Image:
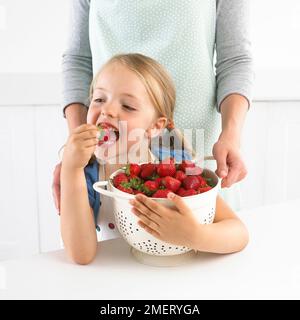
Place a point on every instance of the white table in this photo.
(268, 268)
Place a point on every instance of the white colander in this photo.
(203, 205)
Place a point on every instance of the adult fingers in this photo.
(237, 172)
(220, 154)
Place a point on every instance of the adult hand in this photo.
(56, 187)
(226, 151)
(230, 165)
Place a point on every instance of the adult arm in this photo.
(77, 65)
(234, 74)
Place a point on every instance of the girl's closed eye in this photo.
(124, 106)
(128, 108)
(99, 100)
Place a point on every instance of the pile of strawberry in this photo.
(157, 180)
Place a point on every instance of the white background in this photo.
(32, 39)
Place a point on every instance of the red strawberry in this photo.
(171, 183)
(119, 178)
(146, 165)
(147, 170)
(181, 192)
(191, 182)
(125, 189)
(202, 181)
(150, 186)
(186, 164)
(161, 193)
(137, 192)
(190, 192)
(180, 175)
(158, 181)
(185, 193)
(164, 169)
(204, 189)
(132, 169)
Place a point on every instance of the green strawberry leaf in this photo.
(127, 169)
(125, 184)
(136, 183)
(154, 176)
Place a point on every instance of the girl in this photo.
(135, 90)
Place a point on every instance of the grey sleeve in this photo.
(77, 69)
(234, 66)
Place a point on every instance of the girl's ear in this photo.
(157, 127)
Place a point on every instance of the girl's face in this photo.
(121, 101)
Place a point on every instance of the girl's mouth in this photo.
(108, 134)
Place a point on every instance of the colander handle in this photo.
(98, 186)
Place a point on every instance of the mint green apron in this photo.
(178, 34)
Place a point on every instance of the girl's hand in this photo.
(178, 227)
(80, 146)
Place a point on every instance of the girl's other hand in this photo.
(80, 146)
(177, 226)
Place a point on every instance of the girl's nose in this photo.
(110, 109)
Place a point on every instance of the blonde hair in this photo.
(158, 84)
